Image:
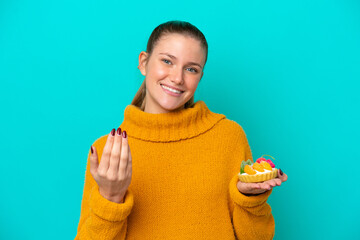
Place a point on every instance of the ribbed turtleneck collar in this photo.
(172, 126)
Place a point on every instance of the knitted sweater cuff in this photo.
(108, 210)
(243, 200)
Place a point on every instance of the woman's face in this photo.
(177, 61)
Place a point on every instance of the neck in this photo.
(171, 126)
(159, 109)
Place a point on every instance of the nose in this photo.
(177, 76)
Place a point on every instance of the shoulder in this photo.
(231, 131)
(232, 126)
(225, 123)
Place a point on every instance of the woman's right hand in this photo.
(113, 173)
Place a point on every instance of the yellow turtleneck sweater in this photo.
(183, 186)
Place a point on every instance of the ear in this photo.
(143, 57)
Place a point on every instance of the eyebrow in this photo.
(171, 56)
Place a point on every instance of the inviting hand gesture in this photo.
(258, 188)
(113, 173)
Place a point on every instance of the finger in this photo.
(272, 183)
(105, 158)
(124, 156)
(282, 176)
(247, 187)
(277, 181)
(250, 188)
(265, 186)
(129, 164)
(115, 154)
(94, 162)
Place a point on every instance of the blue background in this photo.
(287, 71)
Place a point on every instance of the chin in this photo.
(172, 106)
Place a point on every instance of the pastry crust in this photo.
(258, 177)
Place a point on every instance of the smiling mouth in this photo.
(171, 90)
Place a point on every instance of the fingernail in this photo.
(118, 131)
(281, 173)
(113, 132)
(124, 134)
(91, 150)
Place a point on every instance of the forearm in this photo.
(97, 228)
(251, 217)
(103, 219)
(248, 225)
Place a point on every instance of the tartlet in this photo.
(260, 171)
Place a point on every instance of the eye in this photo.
(165, 60)
(193, 70)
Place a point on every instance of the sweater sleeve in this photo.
(100, 218)
(251, 215)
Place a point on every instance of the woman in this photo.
(170, 170)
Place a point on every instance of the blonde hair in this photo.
(181, 27)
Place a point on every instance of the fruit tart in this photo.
(260, 171)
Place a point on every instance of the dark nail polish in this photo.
(113, 132)
(281, 172)
(118, 131)
(124, 134)
(91, 150)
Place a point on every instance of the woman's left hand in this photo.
(258, 188)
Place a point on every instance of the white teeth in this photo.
(170, 89)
